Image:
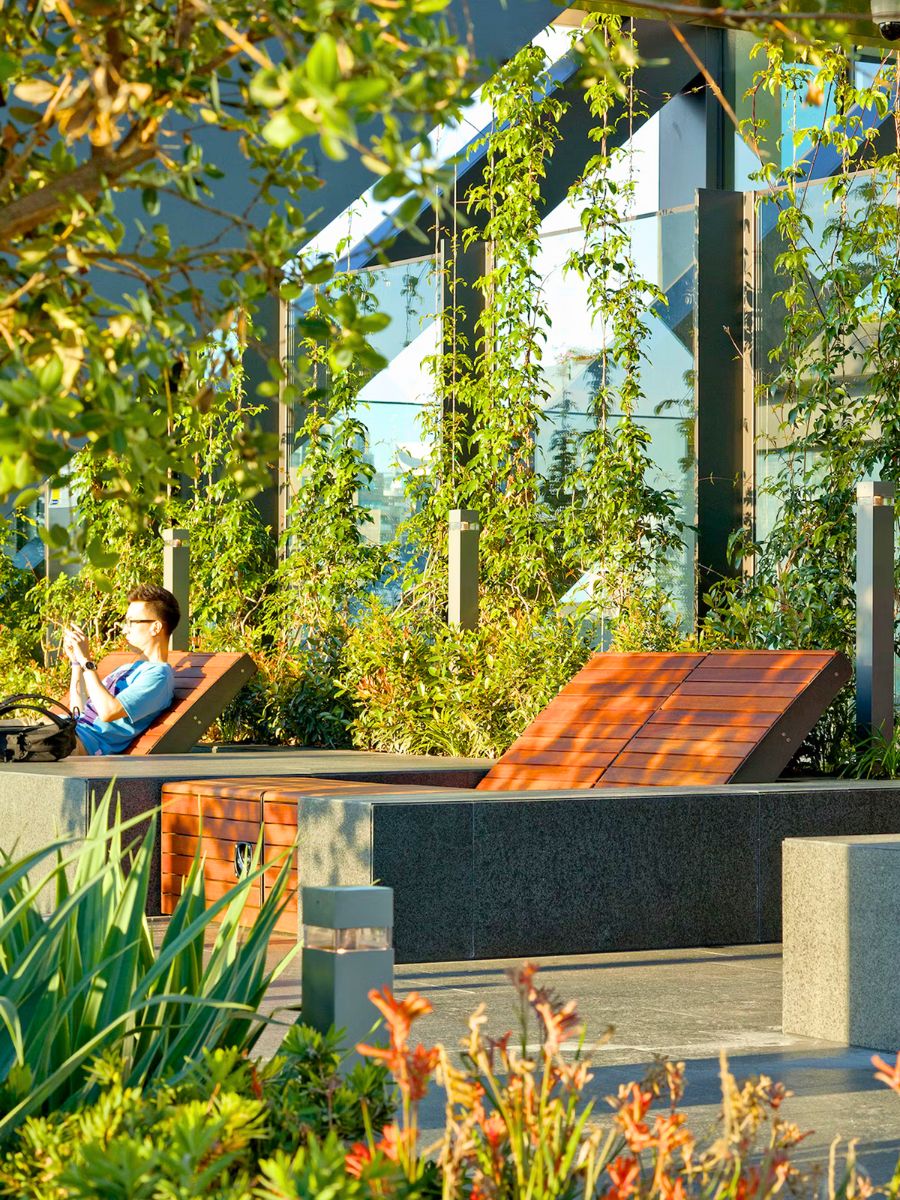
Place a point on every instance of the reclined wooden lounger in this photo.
(205, 684)
(639, 720)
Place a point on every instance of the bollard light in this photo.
(347, 951)
(462, 568)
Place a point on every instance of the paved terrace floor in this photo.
(688, 1005)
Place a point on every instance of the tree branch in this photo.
(30, 211)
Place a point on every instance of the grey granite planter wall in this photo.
(491, 874)
(501, 875)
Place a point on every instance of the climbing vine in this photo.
(619, 528)
(828, 387)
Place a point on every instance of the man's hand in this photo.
(76, 645)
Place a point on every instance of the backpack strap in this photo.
(34, 702)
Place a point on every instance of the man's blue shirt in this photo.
(144, 689)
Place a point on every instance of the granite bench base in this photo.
(842, 939)
(496, 875)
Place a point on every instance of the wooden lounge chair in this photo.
(629, 720)
(204, 685)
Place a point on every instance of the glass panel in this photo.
(389, 402)
(339, 941)
(774, 435)
(663, 247)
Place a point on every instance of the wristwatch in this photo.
(87, 665)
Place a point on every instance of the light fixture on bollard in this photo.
(347, 951)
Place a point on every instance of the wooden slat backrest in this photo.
(204, 685)
(733, 716)
(580, 732)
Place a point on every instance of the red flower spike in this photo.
(392, 1140)
(624, 1173)
(522, 977)
(494, 1129)
(420, 1066)
(886, 1073)
(671, 1189)
(400, 1014)
(357, 1158)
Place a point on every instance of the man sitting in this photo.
(119, 708)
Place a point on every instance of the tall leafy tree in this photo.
(102, 309)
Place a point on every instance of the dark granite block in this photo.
(599, 872)
(137, 797)
(423, 851)
(857, 808)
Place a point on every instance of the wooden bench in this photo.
(228, 814)
(205, 684)
(638, 720)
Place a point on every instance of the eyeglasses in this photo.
(136, 621)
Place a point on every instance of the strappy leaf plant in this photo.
(86, 979)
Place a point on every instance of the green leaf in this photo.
(322, 66)
(8, 67)
(49, 376)
(281, 131)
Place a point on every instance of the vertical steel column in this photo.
(177, 578)
(875, 607)
(718, 380)
(462, 604)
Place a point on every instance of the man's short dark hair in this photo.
(163, 603)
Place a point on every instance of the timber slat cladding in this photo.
(219, 813)
(674, 719)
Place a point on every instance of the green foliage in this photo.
(428, 688)
(878, 757)
(307, 1096)
(294, 699)
(645, 621)
(226, 1128)
(87, 979)
(617, 526)
(103, 316)
(827, 397)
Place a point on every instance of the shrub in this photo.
(518, 1124)
(420, 686)
(87, 979)
(210, 1133)
(293, 700)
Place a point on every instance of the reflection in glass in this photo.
(389, 403)
(776, 434)
(663, 248)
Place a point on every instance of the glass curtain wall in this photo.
(389, 403)
(775, 431)
(664, 250)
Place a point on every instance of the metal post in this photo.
(875, 607)
(347, 951)
(177, 578)
(462, 606)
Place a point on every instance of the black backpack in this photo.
(46, 741)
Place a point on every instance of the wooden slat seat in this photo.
(638, 720)
(204, 686)
(590, 722)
